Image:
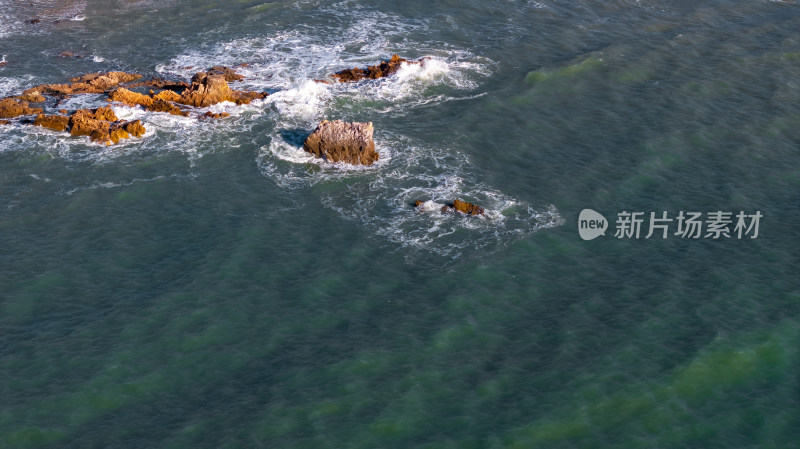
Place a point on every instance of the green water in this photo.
(205, 288)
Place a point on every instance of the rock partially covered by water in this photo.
(102, 125)
(54, 122)
(339, 141)
(130, 98)
(94, 123)
(216, 115)
(467, 208)
(12, 107)
(459, 206)
(31, 97)
(91, 83)
(211, 87)
(161, 102)
(228, 73)
(207, 90)
(385, 68)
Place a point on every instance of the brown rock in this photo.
(167, 95)
(54, 122)
(228, 73)
(105, 113)
(32, 21)
(418, 203)
(246, 96)
(210, 114)
(4, 122)
(385, 68)
(160, 105)
(130, 98)
(111, 78)
(70, 54)
(135, 128)
(207, 90)
(117, 133)
(11, 107)
(161, 83)
(31, 97)
(50, 89)
(467, 208)
(95, 123)
(340, 141)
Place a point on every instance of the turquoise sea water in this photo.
(210, 286)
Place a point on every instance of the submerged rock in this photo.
(12, 107)
(210, 114)
(458, 206)
(385, 68)
(339, 141)
(70, 54)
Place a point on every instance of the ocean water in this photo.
(212, 286)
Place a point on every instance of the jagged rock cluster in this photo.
(334, 141)
(101, 125)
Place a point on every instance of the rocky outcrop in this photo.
(339, 141)
(167, 95)
(385, 68)
(95, 123)
(161, 102)
(12, 107)
(54, 122)
(106, 80)
(31, 97)
(211, 87)
(206, 90)
(135, 128)
(123, 95)
(101, 125)
(161, 83)
(91, 83)
(169, 107)
(228, 73)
